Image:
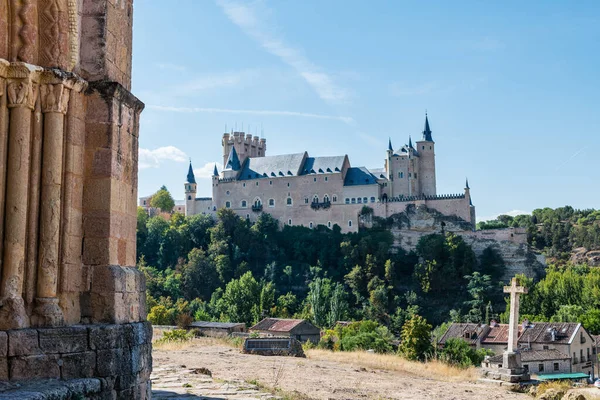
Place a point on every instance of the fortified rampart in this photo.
(72, 303)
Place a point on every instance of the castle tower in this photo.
(190, 191)
(426, 150)
(233, 164)
(471, 206)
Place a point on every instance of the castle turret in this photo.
(190, 191)
(471, 206)
(232, 165)
(426, 149)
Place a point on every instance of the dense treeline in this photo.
(555, 231)
(231, 269)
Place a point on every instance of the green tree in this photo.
(241, 299)
(163, 200)
(457, 352)
(318, 297)
(478, 287)
(199, 276)
(416, 339)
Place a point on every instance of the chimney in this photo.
(525, 324)
(493, 323)
(553, 334)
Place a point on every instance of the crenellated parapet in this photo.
(425, 197)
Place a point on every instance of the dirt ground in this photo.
(316, 377)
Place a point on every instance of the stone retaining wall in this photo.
(121, 355)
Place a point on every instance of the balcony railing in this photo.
(257, 207)
(315, 205)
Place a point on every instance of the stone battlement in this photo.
(426, 197)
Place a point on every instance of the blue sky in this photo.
(512, 89)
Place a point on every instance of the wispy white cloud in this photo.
(214, 81)
(251, 18)
(346, 120)
(568, 160)
(172, 67)
(512, 213)
(206, 171)
(153, 158)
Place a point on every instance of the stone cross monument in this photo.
(512, 369)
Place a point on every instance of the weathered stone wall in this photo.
(119, 354)
(68, 188)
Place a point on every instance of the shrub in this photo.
(457, 352)
(176, 335)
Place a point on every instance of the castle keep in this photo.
(299, 189)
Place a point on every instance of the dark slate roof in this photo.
(540, 332)
(536, 355)
(215, 171)
(323, 165)
(359, 176)
(233, 161)
(216, 325)
(279, 325)
(272, 166)
(390, 145)
(427, 130)
(190, 176)
(455, 330)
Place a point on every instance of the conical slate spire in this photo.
(410, 142)
(233, 162)
(190, 176)
(467, 184)
(427, 131)
(390, 148)
(215, 171)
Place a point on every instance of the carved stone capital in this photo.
(21, 93)
(55, 98)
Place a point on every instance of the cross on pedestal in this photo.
(513, 332)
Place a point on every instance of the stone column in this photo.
(22, 92)
(55, 98)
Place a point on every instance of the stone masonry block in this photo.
(104, 337)
(142, 333)
(107, 279)
(3, 344)
(113, 362)
(3, 369)
(73, 339)
(23, 342)
(78, 365)
(32, 367)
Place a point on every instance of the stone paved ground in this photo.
(181, 383)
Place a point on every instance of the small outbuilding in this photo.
(218, 329)
(299, 329)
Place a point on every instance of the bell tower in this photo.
(190, 191)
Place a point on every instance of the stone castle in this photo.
(298, 189)
(72, 302)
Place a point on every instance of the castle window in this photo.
(271, 203)
(325, 198)
(270, 182)
(359, 200)
(289, 222)
(256, 183)
(315, 199)
(244, 204)
(423, 147)
(289, 201)
(227, 204)
(334, 198)
(415, 175)
(228, 193)
(288, 184)
(144, 202)
(350, 224)
(372, 199)
(353, 200)
(314, 179)
(410, 174)
(248, 216)
(400, 174)
(189, 197)
(429, 147)
(244, 184)
(310, 225)
(347, 200)
(306, 200)
(329, 224)
(326, 179)
(365, 200)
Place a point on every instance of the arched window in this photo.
(244, 204)
(365, 200)
(326, 198)
(400, 174)
(359, 200)
(289, 222)
(329, 224)
(334, 198)
(227, 204)
(228, 193)
(315, 199)
(189, 197)
(354, 200)
(347, 200)
(310, 225)
(257, 202)
(271, 203)
(350, 224)
(288, 201)
(306, 200)
(372, 199)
